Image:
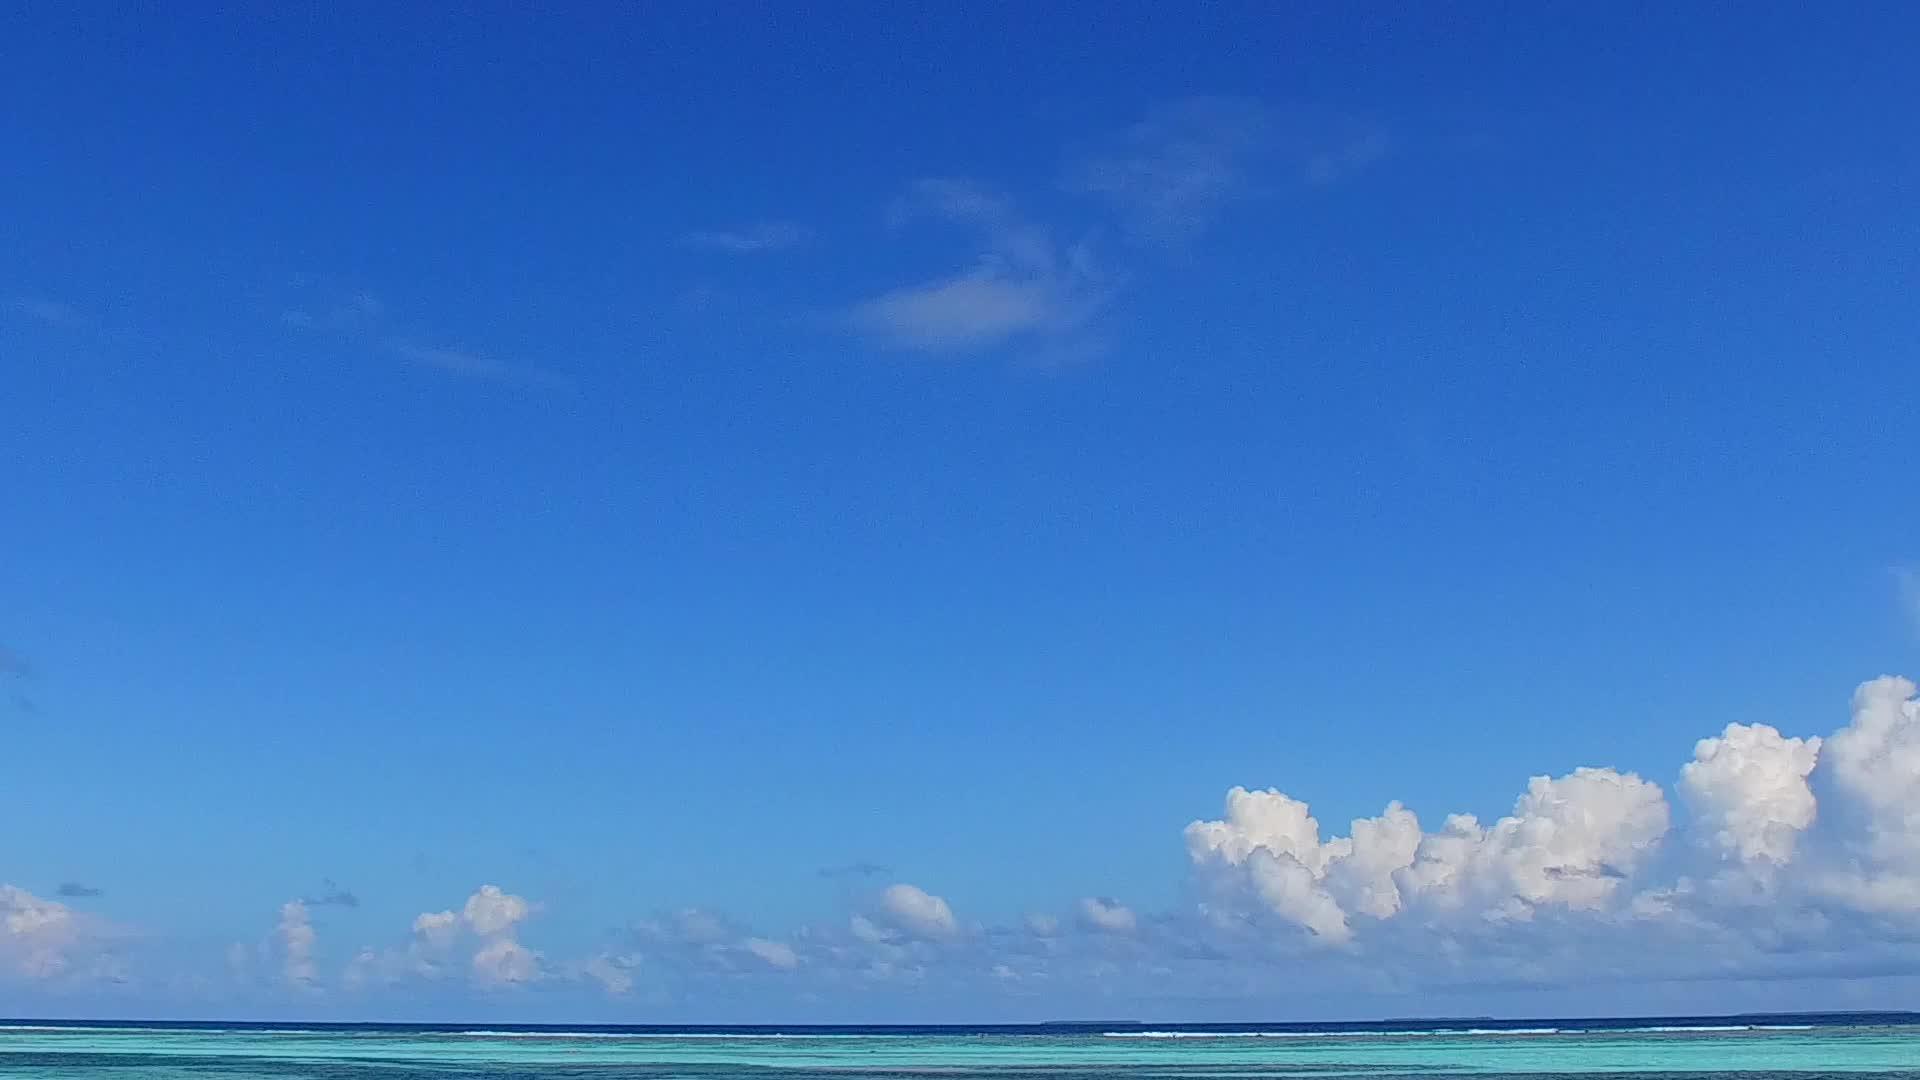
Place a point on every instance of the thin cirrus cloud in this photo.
(1161, 181)
(50, 312)
(982, 307)
(1022, 283)
(1171, 174)
(752, 239)
(362, 318)
(65, 318)
(470, 365)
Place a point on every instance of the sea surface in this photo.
(1795, 1046)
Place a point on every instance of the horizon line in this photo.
(98, 1022)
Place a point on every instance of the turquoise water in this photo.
(49, 1052)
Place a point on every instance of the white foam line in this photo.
(1265, 1034)
(1509, 1031)
(1442, 1033)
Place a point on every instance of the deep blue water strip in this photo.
(1091, 1027)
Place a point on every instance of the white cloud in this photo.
(296, 938)
(751, 239)
(1105, 913)
(1875, 762)
(37, 936)
(1872, 769)
(1843, 812)
(495, 915)
(502, 961)
(1292, 890)
(52, 312)
(1799, 857)
(1257, 820)
(475, 365)
(1164, 178)
(491, 915)
(697, 926)
(427, 954)
(775, 953)
(1360, 870)
(983, 306)
(1570, 841)
(1023, 284)
(868, 931)
(1277, 841)
(490, 911)
(1172, 173)
(613, 971)
(363, 320)
(436, 928)
(918, 912)
(1748, 785)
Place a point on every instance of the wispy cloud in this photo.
(751, 239)
(474, 365)
(362, 317)
(1162, 180)
(1022, 283)
(981, 307)
(358, 313)
(62, 316)
(1335, 163)
(51, 312)
(1172, 173)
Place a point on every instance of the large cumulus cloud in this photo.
(1808, 827)
(1749, 787)
(39, 938)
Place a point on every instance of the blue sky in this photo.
(643, 460)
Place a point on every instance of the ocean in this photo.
(1797, 1046)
